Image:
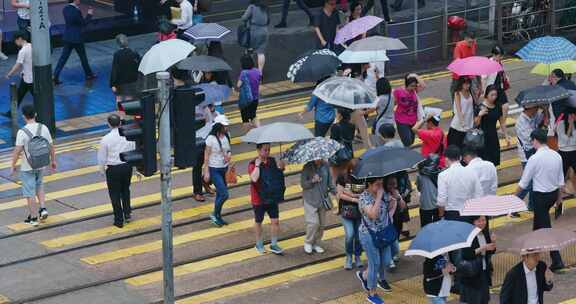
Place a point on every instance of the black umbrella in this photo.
(383, 161)
(204, 63)
(541, 95)
(313, 66)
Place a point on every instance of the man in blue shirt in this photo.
(324, 115)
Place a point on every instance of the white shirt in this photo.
(524, 127)
(22, 140)
(371, 77)
(531, 285)
(111, 145)
(25, 59)
(456, 185)
(544, 169)
(489, 79)
(216, 159)
(23, 13)
(467, 107)
(487, 175)
(565, 143)
(186, 12)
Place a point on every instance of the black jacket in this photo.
(124, 67)
(514, 290)
(470, 255)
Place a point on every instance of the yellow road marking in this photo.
(308, 271)
(571, 301)
(4, 300)
(182, 239)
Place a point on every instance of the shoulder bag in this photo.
(385, 237)
(374, 131)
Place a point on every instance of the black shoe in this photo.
(556, 268)
(33, 221)
(514, 215)
(43, 213)
(91, 77)
(119, 225)
(56, 81)
(281, 25)
(127, 218)
(383, 284)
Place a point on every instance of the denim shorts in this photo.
(31, 182)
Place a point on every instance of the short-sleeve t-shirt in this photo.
(327, 25)
(216, 159)
(431, 141)
(366, 199)
(406, 106)
(25, 59)
(22, 140)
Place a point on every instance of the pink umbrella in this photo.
(356, 28)
(474, 66)
(493, 205)
(542, 240)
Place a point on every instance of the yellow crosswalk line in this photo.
(308, 271)
(4, 300)
(182, 239)
(571, 301)
(151, 221)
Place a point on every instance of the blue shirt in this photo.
(324, 112)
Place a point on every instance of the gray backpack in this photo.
(38, 149)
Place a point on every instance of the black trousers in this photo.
(118, 179)
(66, 52)
(543, 201)
(197, 169)
(428, 216)
(24, 88)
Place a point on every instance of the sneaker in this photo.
(358, 261)
(43, 214)
(275, 249)
(260, 249)
(308, 248)
(383, 284)
(3, 56)
(31, 221)
(348, 263)
(360, 277)
(396, 258)
(215, 221)
(392, 266)
(222, 221)
(375, 299)
(319, 249)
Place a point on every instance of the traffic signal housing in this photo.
(143, 132)
(184, 102)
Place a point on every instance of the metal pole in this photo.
(552, 17)
(166, 185)
(42, 61)
(416, 30)
(445, 41)
(491, 18)
(499, 22)
(14, 109)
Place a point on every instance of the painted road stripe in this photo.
(571, 301)
(308, 271)
(4, 300)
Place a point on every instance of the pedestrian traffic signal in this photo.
(143, 132)
(184, 102)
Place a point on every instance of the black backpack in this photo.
(272, 185)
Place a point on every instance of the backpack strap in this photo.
(39, 130)
(27, 132)
(381, 114)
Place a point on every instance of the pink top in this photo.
(406, 106)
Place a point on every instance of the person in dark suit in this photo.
(527, 281)
(73, 38)
(124, 74)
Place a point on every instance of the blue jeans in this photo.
(378, 259)
(437, 300)
(527, 191)
(394, 249)
(352, 239)
(218, 177)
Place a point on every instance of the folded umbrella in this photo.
(547, 50)
(542, 240)
(346, 92)
(277, 132)
(206, 31)
(474, 66)
(214, 93)
(441, 237)
(313, 66)
(383, 161)
(313, 149)
(541, 95)
(204, 63)
(163, 55)
(377, 43)
(493, 205)
(567, 66)
(355, 28)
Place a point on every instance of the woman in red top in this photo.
(433, 139)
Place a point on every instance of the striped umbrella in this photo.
(493, 205)
(206, 31)
(547, 50)
(542, 240)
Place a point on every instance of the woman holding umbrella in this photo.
(463, 120)
(490, 113)
(376, 208)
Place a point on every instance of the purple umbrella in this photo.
(355, 28)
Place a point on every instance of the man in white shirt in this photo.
(32, 186)
(23, 10)
(484, 170)
(24, 64)
(185, 21)
(456, 185)
(544, 170)
(118, 173)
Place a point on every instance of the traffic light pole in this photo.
(42, 61)
(166, 185)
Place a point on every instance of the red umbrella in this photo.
(493, 205)
(543, 240)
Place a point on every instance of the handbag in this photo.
(231, 177)
(385, 237)
(474, 138)
(350, 211)
(327, 203)
(341, 156)
(380, 115)
(469, 268)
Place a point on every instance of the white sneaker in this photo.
(392, 265)
(319, 249)
(3, 56)
(308, 248)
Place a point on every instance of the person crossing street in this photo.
(118, 173)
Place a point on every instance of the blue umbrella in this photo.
(441, 237)
(214, 93)
(547, 50)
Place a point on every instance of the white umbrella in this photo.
(349, 56)
(277, 132)
(349, 93)
(165, 54)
